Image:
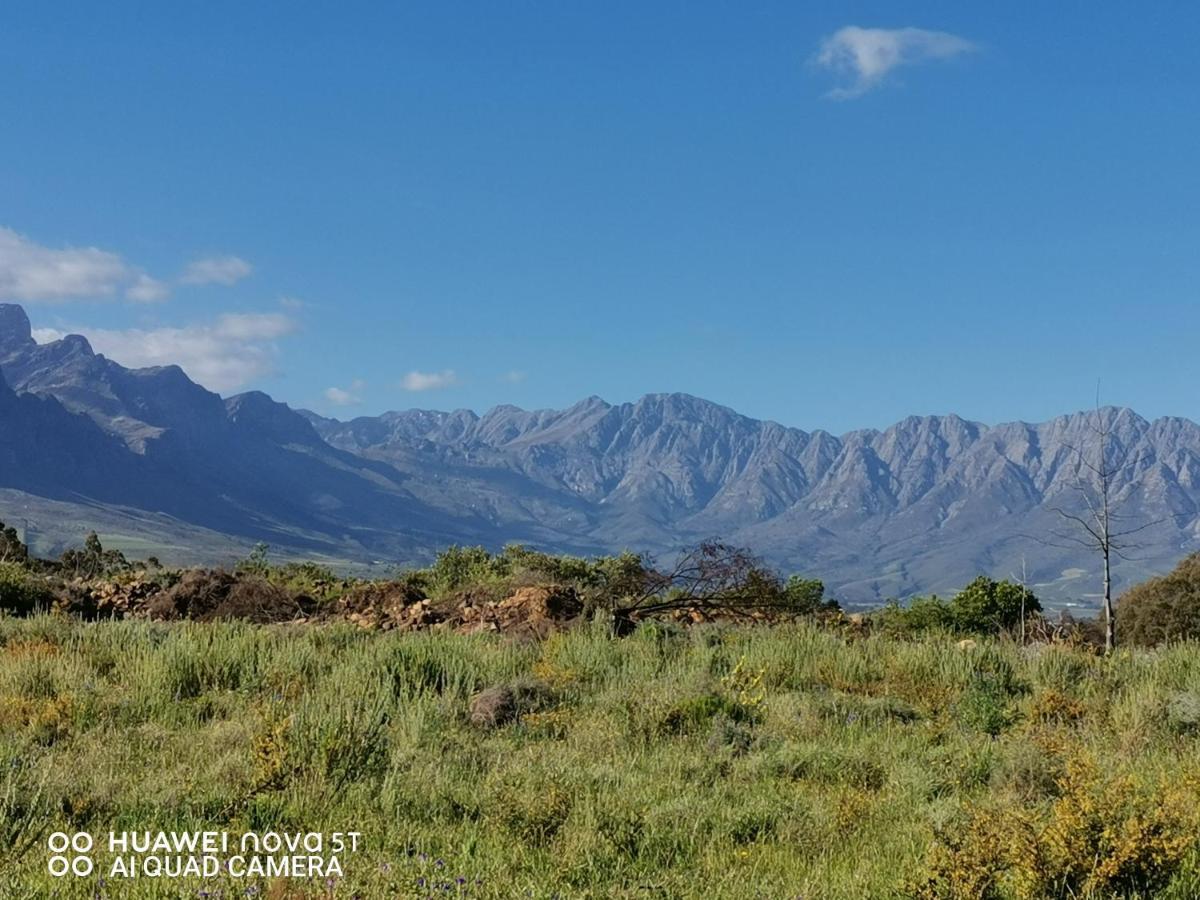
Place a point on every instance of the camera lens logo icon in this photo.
(69, 854)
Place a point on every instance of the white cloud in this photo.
(867, 55)
(292, 304)
(145, 289)
(345, 396)
(223, 355)
(429, 381)
(513, 377)
(31, 273)
(224, 270)
(243, 327)
(47, 335)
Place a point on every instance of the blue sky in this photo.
(360, 207)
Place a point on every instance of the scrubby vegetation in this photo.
(465, 587)
(521, 724)
(1162, 609)
(708, 582)
(21, 591)
(984, 606)
(714, 761)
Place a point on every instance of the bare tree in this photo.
(713, 579)
(1022, 581)
(1102, 528)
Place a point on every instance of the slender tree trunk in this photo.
(1024, 594)
(1110, 631)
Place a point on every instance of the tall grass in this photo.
(709, 762)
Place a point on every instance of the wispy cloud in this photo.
(254, 326)
(350, 396)
(429, 381)
(222, 355)
(224, 270)
(32, 273)
(145, 289)
(867, 55)
(513, 376)
(47, 335)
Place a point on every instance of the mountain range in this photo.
(158, 464)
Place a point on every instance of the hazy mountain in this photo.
(164, 465)
(921, 506)
(84, 429)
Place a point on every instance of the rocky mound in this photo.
(529, 611)
(205, 595)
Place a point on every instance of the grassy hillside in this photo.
(788, 761)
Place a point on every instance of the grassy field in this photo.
(713, 762)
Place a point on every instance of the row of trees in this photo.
(91, 560)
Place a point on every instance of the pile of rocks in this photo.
(207, 595)
(106, 599)
(529, 611)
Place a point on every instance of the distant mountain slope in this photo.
(921, 506)
(154, 440)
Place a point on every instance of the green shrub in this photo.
(922, 615)
(1028, 771)
(21, 592)
(1183, 713)
(458, 567)
(696, 714)
(563, 569)
(1104, 836)
(986, 606)
(985, 706)
(11, 547)
(257, 562)
(1162, 609)
(806, 595)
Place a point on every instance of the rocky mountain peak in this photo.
(15, 330)
(258, 413)
(924, 505)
